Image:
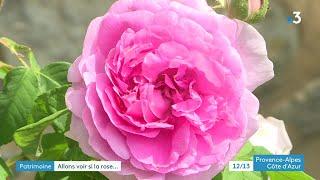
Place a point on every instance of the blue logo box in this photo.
(35, 166)
(292, 162)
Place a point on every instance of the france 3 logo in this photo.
(296, 18)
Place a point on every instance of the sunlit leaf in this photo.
(28, 138)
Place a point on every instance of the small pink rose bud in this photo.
(254, 6)
(251, 11)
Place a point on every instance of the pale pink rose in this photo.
(165, 87)
(272, 135)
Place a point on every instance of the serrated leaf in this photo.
(54, 75)
(28, 138)
(278, 175)
(4, 170)
(49, 103)
(20, 89)
(22, 52)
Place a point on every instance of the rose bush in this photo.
(166, 87)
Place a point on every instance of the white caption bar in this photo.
(240, 166)
(87, 165)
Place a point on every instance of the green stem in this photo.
(3, 64)
(11, 161)
(23, 62)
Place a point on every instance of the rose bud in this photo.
(251, 11)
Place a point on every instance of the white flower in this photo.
(272, 135)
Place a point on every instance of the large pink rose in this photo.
(165, 87)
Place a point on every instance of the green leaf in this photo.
(28, 138)
(54, 75)
(279, 175)
(3, 73)
(218, 177)
(62, 124)
(74, 153)
(242, 175)
(49, 103)
(260, 150)
(20, 89)
(57, 147)
(22, 52)
(247, 151)
(54, 146)
(4, 170)
(70, 176)
(4, 69)
(246, 154)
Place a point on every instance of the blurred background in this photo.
(55, 30)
